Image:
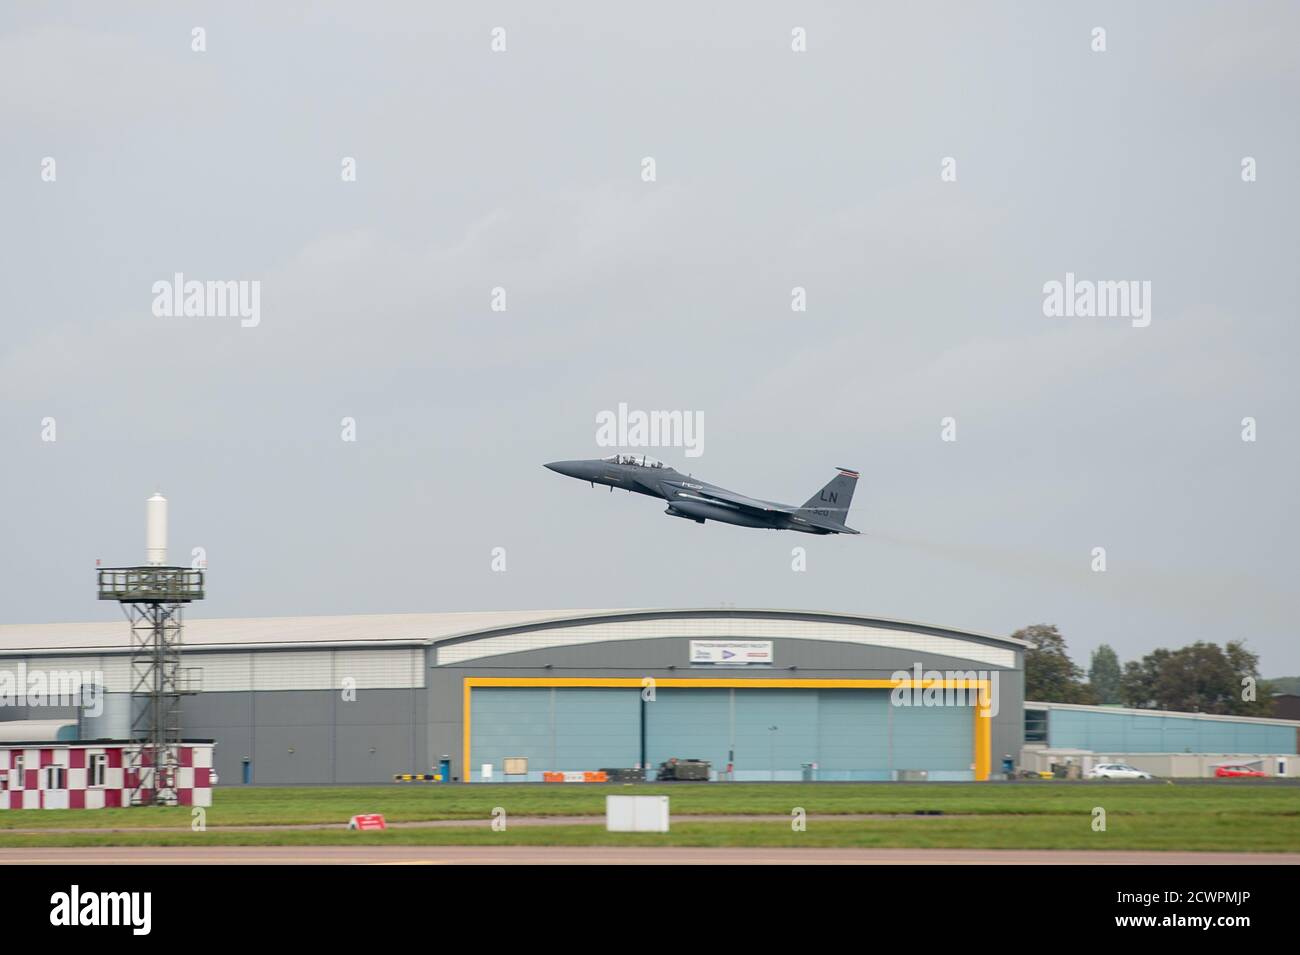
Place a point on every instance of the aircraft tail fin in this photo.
(834, 499)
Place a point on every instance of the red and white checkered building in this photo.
(92, 775)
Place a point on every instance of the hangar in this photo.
(760, 694)
(1161, 742)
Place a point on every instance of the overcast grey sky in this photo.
(522, 169)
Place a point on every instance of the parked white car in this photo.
(1116, 771)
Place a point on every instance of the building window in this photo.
(98, 769)
(56, 777)
(1035, 726)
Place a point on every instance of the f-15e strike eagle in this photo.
(696, 500)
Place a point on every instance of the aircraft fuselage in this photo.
(692, 499)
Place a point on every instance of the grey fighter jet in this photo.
(695, 500)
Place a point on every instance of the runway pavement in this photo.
(606, 855)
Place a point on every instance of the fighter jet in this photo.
(696, 500)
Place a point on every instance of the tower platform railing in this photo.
(150, 584)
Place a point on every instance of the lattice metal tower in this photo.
(152, 597)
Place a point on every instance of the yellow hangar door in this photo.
(759, 729)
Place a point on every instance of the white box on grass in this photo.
(636, 813)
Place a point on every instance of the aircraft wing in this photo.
(739, 500)
(813, 516)
(827, 519)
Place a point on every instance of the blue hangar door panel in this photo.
(597, 728)
(937, 739)
(556, 728)
(688, 724)
(853, 735)
(509, 721)
(776, 733)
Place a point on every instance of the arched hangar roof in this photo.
(717, 623)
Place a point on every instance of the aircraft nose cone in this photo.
(571, 469)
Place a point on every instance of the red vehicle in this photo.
(1233, 771)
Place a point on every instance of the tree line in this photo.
(1199, 678)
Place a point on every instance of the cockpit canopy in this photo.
(638, 460)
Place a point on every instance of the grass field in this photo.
(1163, 815)
(1236, 834)
(306, 805)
